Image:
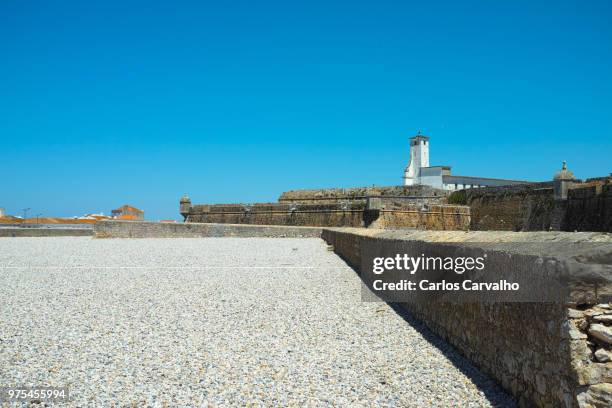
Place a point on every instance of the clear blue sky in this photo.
(105, 103)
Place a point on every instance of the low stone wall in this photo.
(143, 229)
(546, 354)
(45, 232)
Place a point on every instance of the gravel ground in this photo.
(215, 321)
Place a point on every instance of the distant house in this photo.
(127, 212)
(2, 213)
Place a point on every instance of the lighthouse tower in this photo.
(419, 157)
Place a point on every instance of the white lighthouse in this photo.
(419, 157)
(419, 172)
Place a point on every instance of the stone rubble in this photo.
(603, 318)
(603, 356)
(592, 354)
(601, 332)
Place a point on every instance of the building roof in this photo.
(437, 167)
(127, 208)
(419, 135)
(480, 180)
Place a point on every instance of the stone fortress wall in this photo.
(546, 354)
(418, 207)
(338, 215)
(589, 206)
(554, 205)
(527, 207)
(586, 206)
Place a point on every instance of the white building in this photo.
(419, 171)
(2, 213)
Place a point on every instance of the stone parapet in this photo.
(45, 232)
(143, 229)
(554, 354)
(333, 195)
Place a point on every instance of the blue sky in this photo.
(106, 103)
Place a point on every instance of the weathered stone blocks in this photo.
(601, 333)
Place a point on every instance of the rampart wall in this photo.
(397, 214)
(534, 207)
(546, 354)
(390, 213)
(336, 215)
(524, 207)
(589, 208)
